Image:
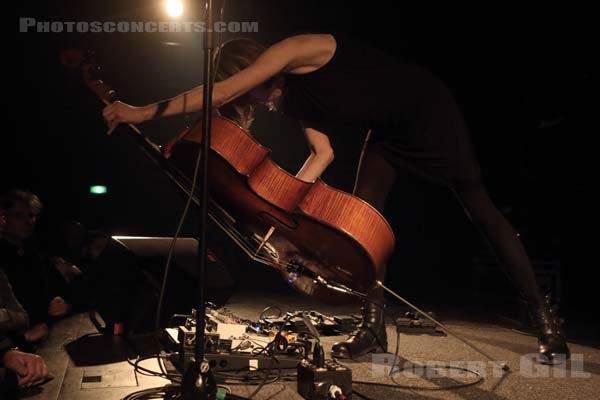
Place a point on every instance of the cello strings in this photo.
(239, 238)
(241, 241)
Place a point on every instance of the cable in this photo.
(264, 381)
(161, 392)
(148, 372)
(247, 378)
(244, 345)
(262, 313)
(412, 387)
(227, 388)
(502, 365)
(520, 332)
(226, 396)
(268, 349)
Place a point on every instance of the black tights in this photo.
(375, 179)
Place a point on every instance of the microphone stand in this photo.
(198, 380)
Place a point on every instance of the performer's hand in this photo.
(118, 112)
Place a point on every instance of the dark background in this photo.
(521, 72)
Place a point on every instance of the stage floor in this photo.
(77, 378)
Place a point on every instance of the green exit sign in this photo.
(98, 189)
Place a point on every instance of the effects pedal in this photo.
(327, 382)
(324, 324)
(347, 323)
(413, 324)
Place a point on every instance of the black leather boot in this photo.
(370, 335)
(552, 345)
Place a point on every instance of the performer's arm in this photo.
(321, 155)
(296, 53)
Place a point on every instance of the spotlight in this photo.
(174, 8)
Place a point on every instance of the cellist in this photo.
(413, 122)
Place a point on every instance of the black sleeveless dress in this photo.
(414, 119)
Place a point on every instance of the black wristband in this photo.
(160, 108)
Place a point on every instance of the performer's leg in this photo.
(375, 179)
(512, 255)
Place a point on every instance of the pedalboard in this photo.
(222, 356)
(223, 362)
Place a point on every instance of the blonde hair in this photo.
(232, 57)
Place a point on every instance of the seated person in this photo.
(82, 281)
(68, 240)
(13, 317)
(27, 271)
(26, 369)
(65, 250)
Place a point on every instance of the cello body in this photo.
(317, 228)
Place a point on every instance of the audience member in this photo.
(94, 245)
(27, 270)
(68, 240)
(13, 317)
(17, 369)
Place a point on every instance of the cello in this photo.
(327, 243)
